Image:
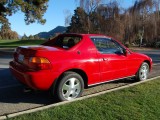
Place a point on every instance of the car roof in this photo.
(89, 35)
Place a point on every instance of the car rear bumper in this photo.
(39, 80)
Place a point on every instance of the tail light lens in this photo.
(39, 63)
(34, 63)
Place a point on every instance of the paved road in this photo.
(154, 54)
(13, 99)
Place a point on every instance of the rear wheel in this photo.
(70, 86)
(143, 71)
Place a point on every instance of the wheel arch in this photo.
(78, 71)
(149, 63)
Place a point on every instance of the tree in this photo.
(31, 37)
(138, 24)
(33, 10)
(68, 17)
(36, 37)
(78, 22)
(90, 7)
(7, 33)
(24, 37)
(140, 19)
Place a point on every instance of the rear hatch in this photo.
(34, 57)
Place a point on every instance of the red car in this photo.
(71, 62)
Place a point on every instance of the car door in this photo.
(113, 62)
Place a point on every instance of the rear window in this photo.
(64, 42)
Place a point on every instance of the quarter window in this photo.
(64, 42)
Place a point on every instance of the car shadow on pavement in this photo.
(126, 80)
(11, 91)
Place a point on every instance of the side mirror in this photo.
(125, 52)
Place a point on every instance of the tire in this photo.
(143, 71)
(70, 86)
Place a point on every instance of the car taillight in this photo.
(39, 63)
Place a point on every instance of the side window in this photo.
(107, 46)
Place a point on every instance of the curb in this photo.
(4, 66)
(67, 102)
(7, 52)
(3, 117)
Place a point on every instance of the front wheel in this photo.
(143, 71)
(71, 86)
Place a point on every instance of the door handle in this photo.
(104, 59)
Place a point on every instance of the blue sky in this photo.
(55, 16)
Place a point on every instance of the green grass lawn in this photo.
(141, 102)
(15, 43)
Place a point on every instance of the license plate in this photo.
(20, 58)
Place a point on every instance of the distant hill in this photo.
(58, 29)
